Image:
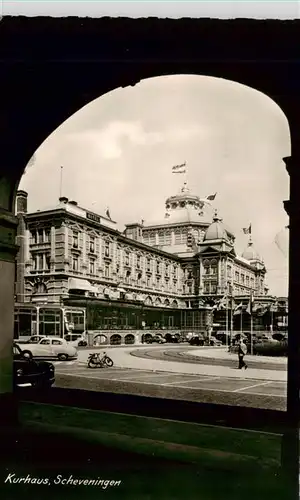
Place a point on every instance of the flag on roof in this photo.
(179, 169)
(247, 230)
(238, 308)
(222, 304)
(211, 197)
(250, 304)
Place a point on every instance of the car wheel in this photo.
(27, 354)
(62, 357)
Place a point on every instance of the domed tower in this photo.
(256, 261)
(183, 226)
(250, 253)
(215, 253)
(187, 207)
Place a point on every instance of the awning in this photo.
(121, 290)
(129, 296)
(79, 284)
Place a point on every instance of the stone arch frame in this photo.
(49, 107)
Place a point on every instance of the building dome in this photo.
(216, 230)
(185, 208)
(250, 253)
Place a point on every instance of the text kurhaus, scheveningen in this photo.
(12, 478)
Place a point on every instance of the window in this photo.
(213, 288)
(243, 278)
(167, 270)
(75, 263)
(33, 237)
(161, 238)
(148, 281)
(92, 244)
(47, 235)
(127, 259)
(152, 239)
(237, 276)
(40, 236)
(158, 268)
(178, 237)
(229, 271)
(168, 238)
(45, 342)
(138, 261)
(206, 287)
(56, 342)
(92, 266)
(107, 249)
(75, 239)
(107, 271)
(213, 269)
(148, 265)
(47, 261)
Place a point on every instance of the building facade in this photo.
(76, 271)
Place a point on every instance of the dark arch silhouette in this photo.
(63, 64)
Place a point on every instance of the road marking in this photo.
(207, 389)
(204, 378)
(252, 386)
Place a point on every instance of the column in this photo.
(290, 445)
(66, 247)
(52, 249)
(84, 258)
(219, 277)
(8, 251)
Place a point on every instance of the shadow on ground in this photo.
(142, 477)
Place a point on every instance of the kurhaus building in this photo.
(76, 271)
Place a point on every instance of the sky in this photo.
(118, 152)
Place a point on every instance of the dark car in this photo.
(159, 339)
(31, 373)
(197, 340)
(172, 338)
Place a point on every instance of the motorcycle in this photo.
(96, 361)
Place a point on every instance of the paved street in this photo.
(215, 383)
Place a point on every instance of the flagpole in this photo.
(61, 180)
(241, 328)
(231, 319)
(251, 333)
(226, 318)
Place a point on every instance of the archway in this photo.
(100, 339)
(129, 339)
(146, 338)
(116, 339)
(49, 101)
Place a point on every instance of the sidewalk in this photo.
(223, 353)
(123, 359)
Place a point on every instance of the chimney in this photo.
(73, 203)
(63, 199)
(21, 202)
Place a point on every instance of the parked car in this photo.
(215, 342)
(158, 339)
(172, 338)
(49, 347)
(31, 373)
(76, 339)
(32, 340)
(197, 340)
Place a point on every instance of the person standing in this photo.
(242, 351)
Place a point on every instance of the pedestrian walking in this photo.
(242, 351)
